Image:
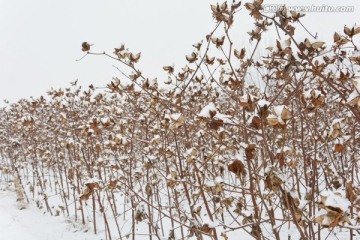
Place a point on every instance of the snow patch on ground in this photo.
(31, 224)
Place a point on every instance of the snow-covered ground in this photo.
(32, 224)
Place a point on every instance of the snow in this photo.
(191, 151)
(210, 183)
(177, 91)
(175, 116)
(205, 112)
(303, 204)
(356, 93)
(210, 111)
(312, 93)
(356, 83)
(31, 224)
(210, 223)
(92, 180)
(263, 103)
(279, 109)
(307, 94)
(336, 201)
(285, 149)
(104, 120)
(219, 180)
(225, 118)
(352, 96)
(199, 133)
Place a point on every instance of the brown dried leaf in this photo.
(335, 222)
(240, 54)
(249, 6)
(209, 60)
(177, 122)
(148, 190)
(218, 41)
(250, 151)
(272, 120)
(336, 37)
(288, 42)
(280, 157)
(347, 31)
(350, 192)
(169, 69)
(339, 148)
(317, 45)
(71, 174)
(320, 219)
(237, 167)
(256, 231)
(224, 236)
(215, 124)
(357, 30)
(285, 114)
(135, 58)
(87, 193)
(192, 57)
(255, 122)
(206, 229)
(85, 47)
(112, 184)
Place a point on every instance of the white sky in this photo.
(40, 39)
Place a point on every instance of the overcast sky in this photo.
(40, 40)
